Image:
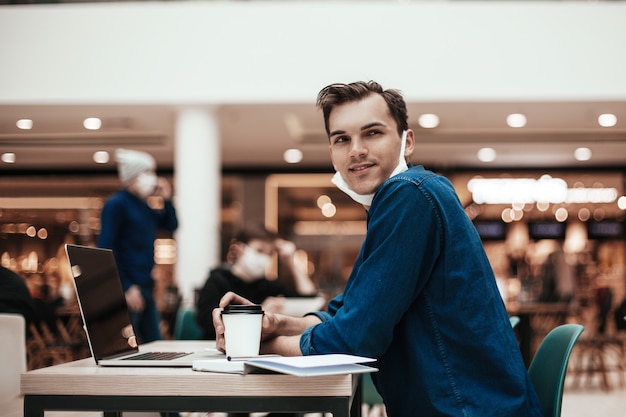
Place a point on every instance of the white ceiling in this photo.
(254, 136)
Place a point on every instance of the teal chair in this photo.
(514, 321)
(371, 397)
(370, 394)
(549, 365)
(186, 327)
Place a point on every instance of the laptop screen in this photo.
(102, 301)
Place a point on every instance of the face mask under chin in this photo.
(366, 199)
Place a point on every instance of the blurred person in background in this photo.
(47, 301)
(15, 297)
(247, 261)
(248, 258)
(558, 277)
(129, 227)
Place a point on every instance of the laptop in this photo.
(106, 316)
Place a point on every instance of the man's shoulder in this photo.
(416, 175)
(123, 199)
(117, 197)
(416, 178)
(220, 273)
(11, 279)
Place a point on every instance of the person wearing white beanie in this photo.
(131, 163)
(129, 227)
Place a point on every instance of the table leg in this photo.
(32, 408)
(357, 400)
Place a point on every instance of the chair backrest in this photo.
(549, 365)
(12, 354)
(186, 327)
(369, 394)
(514, 321)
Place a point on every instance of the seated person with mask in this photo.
(248, 258)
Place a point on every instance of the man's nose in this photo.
(357, 148)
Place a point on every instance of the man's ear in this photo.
(330, 151)
(235, 250)
(410, 143)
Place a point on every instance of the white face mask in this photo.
(145, 184)
(366, 199)
(252, 265)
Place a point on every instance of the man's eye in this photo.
(373, 133)
(341, 139)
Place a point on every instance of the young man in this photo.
(422, 297)
(129, 226)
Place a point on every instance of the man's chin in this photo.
(365, 184)
(364, 189)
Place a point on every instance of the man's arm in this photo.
(282, 345)
(396, 259)
(168, 220)
(302, 283)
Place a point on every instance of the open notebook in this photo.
(313, 365)
(106, 317)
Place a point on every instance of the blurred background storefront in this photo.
(582, 214)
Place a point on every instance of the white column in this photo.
(197, 177)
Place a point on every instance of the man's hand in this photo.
(228, 299)
(163, 189)
(286, 252)
(134, 299)
(285, 248)
(274, 325)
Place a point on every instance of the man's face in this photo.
(364, 143)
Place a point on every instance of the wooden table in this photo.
(83, 386)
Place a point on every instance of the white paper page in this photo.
(313, 361)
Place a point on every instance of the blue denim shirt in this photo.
(423, 300)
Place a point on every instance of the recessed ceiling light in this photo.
(24, 124)
(8, 158)
(428, 120)
(582, 154)
(516, 120)
(101, 157)
(92, 123)
(292, 156)
(607, 120)
(486, 154)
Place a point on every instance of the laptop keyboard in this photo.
(158, 356)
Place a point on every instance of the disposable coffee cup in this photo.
(242, 330)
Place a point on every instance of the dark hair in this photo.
(245, 235)
(257, 232)
(336, 94)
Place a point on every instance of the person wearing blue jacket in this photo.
(422, 297)
(129, 227)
